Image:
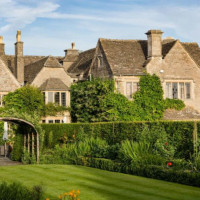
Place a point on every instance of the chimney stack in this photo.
(154, 44)
(2, 46)
(19, 59)
(70, 56)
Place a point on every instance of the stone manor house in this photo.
(176, 63)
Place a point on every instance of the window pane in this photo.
(50, 121)
(43, 121)
(169, 90)
(187, 88)
(63, 99)
(57, 121)
(129, 90)
(57, 98)
(50, 97)
(181, 90)
(118, 86)
(175, 90)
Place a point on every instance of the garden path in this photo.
(6, 161)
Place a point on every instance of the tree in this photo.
(27, 99)
(117, 108)
(86, 98)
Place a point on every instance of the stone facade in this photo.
(44, 72)
(176, 63)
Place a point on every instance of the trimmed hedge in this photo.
(156, 172)
(179, 132)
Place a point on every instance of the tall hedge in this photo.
(180, 133)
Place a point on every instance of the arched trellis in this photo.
(29, 137)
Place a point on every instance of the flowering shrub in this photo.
(72, 195)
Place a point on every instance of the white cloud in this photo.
(129, 21)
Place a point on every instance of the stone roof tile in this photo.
(54, 84)
(82, 63)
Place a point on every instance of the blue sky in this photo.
(49, 26)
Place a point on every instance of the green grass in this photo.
(96, 184)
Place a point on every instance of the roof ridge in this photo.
(37, 61)
(124, 40)
(87, 50)
(51, 57)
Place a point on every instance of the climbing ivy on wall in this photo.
(97, 100)
(86, 98)
(148, 101)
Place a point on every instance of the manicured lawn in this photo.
(96, 184)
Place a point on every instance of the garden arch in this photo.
(29, 138)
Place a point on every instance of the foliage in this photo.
(157, 137)
(148, 100)
(174, 104)
(96, 101)
(71, 153)
(72, 195)
(86, 100)
(139, 153)
(117, 108)
(1, 133)
(150, 171)
(177, 134)
(52, 109)
(17, 151)
(27, 99)
(18, 191)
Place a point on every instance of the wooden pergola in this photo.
(31, 139)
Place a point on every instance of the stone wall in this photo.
(178, 66)
(8, 82)
(103, 71)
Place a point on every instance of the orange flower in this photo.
(65, 194)
(70, 193)
(60, 196)
(78, 199)
(47, 199)
(78, 192)
(73, 191)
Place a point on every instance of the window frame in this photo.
(181, 89)
(134, 88)
(53, 93)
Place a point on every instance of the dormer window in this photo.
(100, 60)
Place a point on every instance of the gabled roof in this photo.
(82, 63)
(125, 56)
(193, 49)
(31, 70)
(53, 84)
(167, 44)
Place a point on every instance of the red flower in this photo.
(165, 143)
(169, 164)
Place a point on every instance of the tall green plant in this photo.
(86, 100)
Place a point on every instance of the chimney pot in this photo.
(18, 36)
(1, 39)
(73, 45)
